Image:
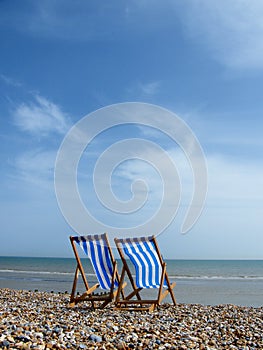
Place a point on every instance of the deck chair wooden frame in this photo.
(162, 280)
(99, 300)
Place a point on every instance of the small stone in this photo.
(121, 346)
(57, 330)
(10, 339)
(95, 338)
(39, 335)
(5, 343)
(23, 338)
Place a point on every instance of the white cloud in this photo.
(232, 30)
(151, 166)
(234, 182)
(10, 81)
(231, 182)
(150, 88)
(41, 117)
(36, 167)
(86, 20)
(144, 89)
(81, 20)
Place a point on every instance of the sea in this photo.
(207, 282)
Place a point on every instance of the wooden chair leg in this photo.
(72, 296)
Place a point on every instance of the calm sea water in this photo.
(208, 282)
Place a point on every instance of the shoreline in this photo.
(42, 320)
(208, 283)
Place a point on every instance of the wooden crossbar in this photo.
(164, 289)
(97, 301)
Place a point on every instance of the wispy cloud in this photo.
(150, 88)
(88, 20)
(151, 160)
(231, 30)
(239, 135)
(10, 81)
(36, 167)
(144, 89)
(41, 117)
(233, 183)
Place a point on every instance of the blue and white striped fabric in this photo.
(143, 255)
(98, 252)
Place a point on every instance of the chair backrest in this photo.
(97, 248)
(146, 258)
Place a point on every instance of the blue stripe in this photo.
(148, 279)
(94, 244)
(109, 265)
(103, 267)
(107, 268)
(84, 245)
(143, 282)
(134, 263)
(92, 258)
(137, 268)
(156, 262)
(95, 264)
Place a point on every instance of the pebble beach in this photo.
(41, 320)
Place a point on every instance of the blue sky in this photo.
(202, 60)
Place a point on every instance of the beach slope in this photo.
(40, 320)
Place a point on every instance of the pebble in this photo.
(96, 338)
(40, 320)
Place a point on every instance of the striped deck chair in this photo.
(97, 248)
(150, 272)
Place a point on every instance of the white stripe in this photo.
(89, 254)
(158, 260)
(147, 283)
(88, 250)
(81, 243)
(151, 260)
(98, 262)
(146, 252)
(128, 246)
(105, 265)
(102, 273)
